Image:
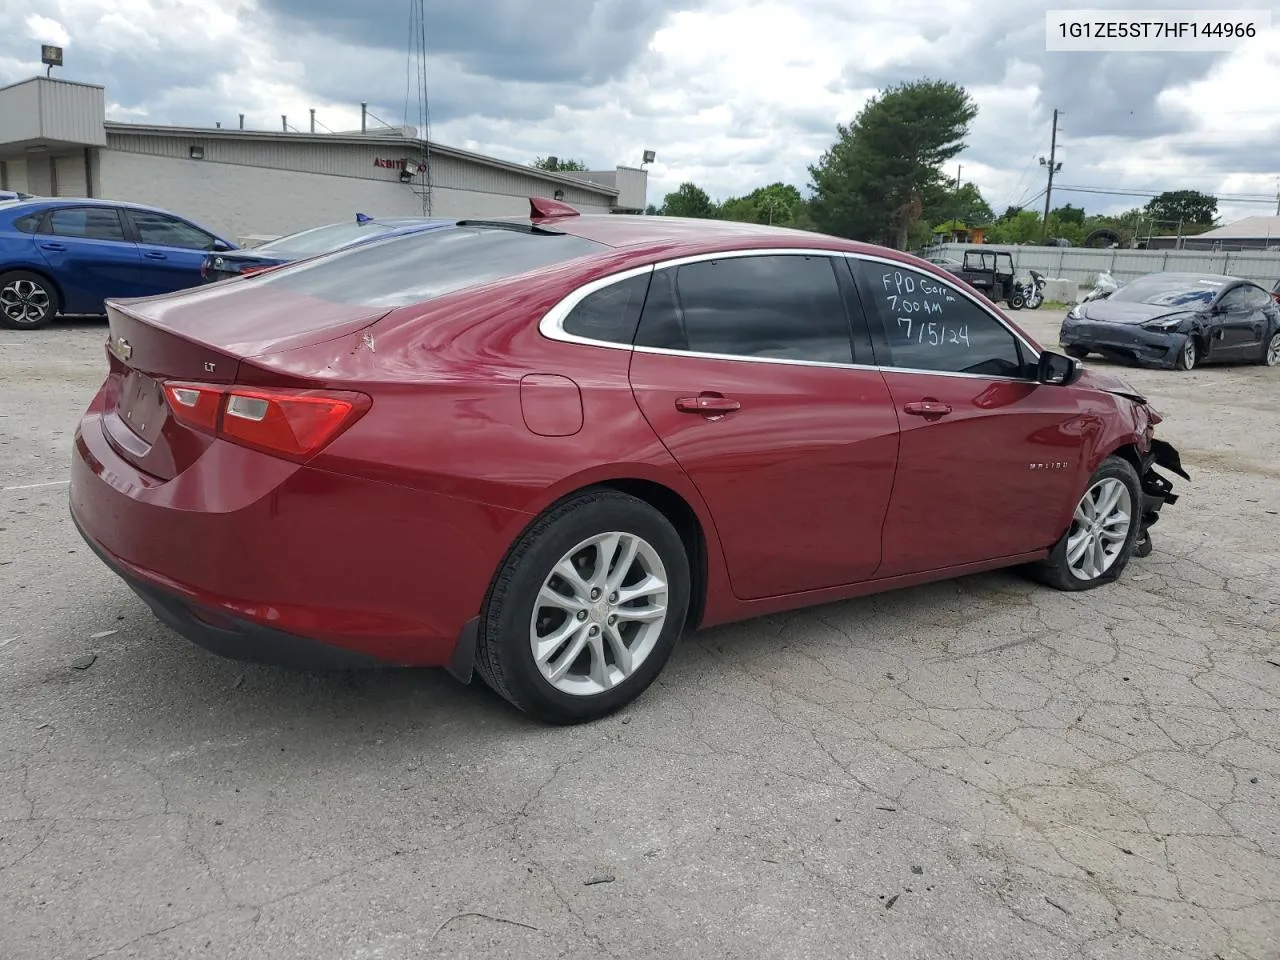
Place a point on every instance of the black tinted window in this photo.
(779, 307)
(611, 313)
(162, 231)
(1244, 298)
(27, 224)
(421, 266)
(88, 223)
(932, 326)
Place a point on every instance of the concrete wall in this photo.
(235, 201)
(1083, 265)
(15, 176)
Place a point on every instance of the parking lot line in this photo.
(33, 486)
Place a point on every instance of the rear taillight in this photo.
(295, 424)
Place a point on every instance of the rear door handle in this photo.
(707, 405)
(153, 255)
(58, 247)
(927, 408)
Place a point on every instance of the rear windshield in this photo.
(421, 266)
(1169, 291)
(308, 243)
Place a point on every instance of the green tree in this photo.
(943, 202)
(559, 164)
(689, 200)
(871, 184)
(1068, 214)
(1185, 206)
(778, 203)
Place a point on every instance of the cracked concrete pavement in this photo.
(982, 768)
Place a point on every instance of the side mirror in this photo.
(1056, 369)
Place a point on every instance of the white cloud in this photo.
(46, 30)
(729, 93)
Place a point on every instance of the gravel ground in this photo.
(981, 768)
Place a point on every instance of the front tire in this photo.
(1078, 353)
(1189, 355)
(27, 300)
(1016, 302)
(1105, 529)
(586, 608)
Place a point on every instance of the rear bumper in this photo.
(229, 636)
(1126, 342)
(265, 560)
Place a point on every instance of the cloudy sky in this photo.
(730, 93)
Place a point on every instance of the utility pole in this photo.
(1278, 196)
(959, 172)
(1054, 167)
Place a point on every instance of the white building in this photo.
(55, 141)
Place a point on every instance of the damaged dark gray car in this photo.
(1178, 321)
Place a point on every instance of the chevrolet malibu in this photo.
(540, 449)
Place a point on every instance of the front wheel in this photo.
(1189, 355)
(1105, 528)
(586, 608)
(1078, 353)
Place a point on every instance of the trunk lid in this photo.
(203, 335)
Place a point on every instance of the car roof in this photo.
(677, 236)
(42, 203)
(1194, 277)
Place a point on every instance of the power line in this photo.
(1221, 197)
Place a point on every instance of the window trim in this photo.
(551, 324)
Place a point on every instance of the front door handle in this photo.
(709, 405)
(58, 247)
(153, 255)
(927, 408)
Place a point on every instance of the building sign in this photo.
(387, 163)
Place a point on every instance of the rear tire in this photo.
(1271, 351)
(1016, 302)
(1103, 534)
(568, 638)
(28, 301)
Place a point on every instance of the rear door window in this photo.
(779, 307)
(87, 223)
(422, 266)
(611, 313)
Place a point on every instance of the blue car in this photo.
(311, 243)
(68, 255)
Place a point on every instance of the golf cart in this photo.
(989, 272)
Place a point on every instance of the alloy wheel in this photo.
(599, 613)
(1189, 354)
(24, 302)
(1099, 529)
(1272, 357)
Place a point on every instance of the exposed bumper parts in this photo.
(1129, 343)
(1157, 490)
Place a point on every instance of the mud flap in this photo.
(1157, 490)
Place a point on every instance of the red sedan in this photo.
(541, 449)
